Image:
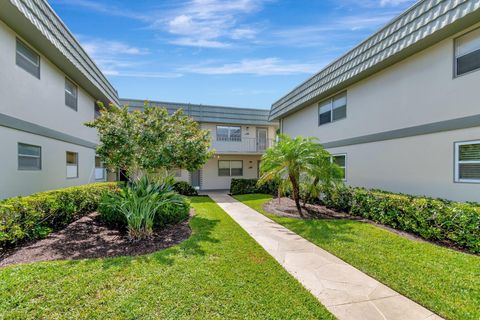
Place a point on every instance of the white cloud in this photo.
(393, 3)
(210, 23)
(201, 43)
(98, 47)
(103, 8)
(117, 58)
(118, 73)
(262, 67)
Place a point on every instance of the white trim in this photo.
(456, 56)
(345, 167)
(331, 108)
(457, 162)
(71, 166)
(229, 135)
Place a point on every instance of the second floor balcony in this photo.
(241, 145)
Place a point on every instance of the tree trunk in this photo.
(296, 194)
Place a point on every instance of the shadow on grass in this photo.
(322, 231)
(202, 233)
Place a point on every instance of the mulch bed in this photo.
(89, 238)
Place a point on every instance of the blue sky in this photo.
(244, 53)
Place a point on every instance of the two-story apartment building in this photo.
(48, 89)
(401, 111)
(240, 136)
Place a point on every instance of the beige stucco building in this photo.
(240, 136)
(402, 109)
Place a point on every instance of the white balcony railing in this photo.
(246, 145)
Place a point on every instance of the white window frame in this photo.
(458, 162)
(73, 95)
(28, 48)
(229, 138)
(102, 168)
(230, 168)
(70, 165)
(455, 57)
(345, 167)
(28, 156)
(330, 104)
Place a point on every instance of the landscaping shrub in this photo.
(141, 205)
(35, 216)
(432, 219)
(246, 186)
(184, 188)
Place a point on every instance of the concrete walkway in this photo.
(347, 292)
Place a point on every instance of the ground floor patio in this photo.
(219, 171)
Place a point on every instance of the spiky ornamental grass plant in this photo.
(295, 160)
(140, 202)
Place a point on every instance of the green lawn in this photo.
(443, 280)
(220, 272)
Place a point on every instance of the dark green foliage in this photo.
(35, 216)
(184, 188)
(246, 186)
(433, 219)
(142, 205)
(171, 213)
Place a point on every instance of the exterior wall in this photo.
(249, 138)
(16, 182)
(211, 180)
(41, 101)
(419, 165)
(416, 91)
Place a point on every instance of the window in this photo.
(341, 161)
(467, 53)
(230, 168)
(27, 59)
(332, 109)
(229, 133)
(72, 164)
(71, 94)
(97, 113)
(467, 161)
(29, 157)
(99, 169)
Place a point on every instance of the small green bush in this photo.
(172, 213)
(184, 188)
(35, 216)
(246, 186)
(432, 219)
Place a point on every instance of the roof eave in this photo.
(100, 89)
(277, 112)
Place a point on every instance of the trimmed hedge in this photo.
(35, 216)
(246, 186)
(432, 219)
(184, 188)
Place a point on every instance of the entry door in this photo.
(262, 138)
(195, 179)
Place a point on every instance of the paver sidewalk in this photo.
(347, 292)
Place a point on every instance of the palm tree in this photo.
(321, 175)
(296, 161)
(288, 159)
